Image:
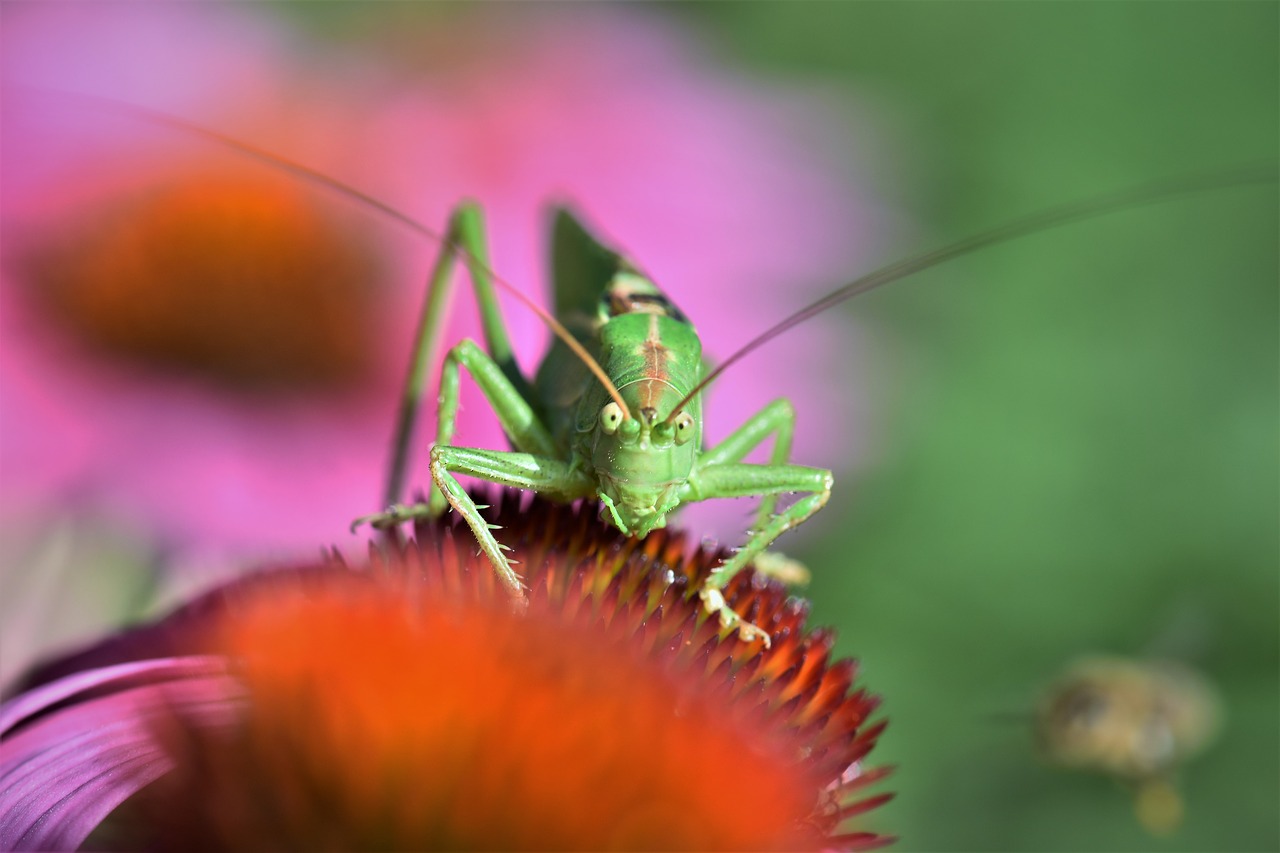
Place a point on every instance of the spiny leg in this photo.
(544, 475)
(514, 413)
(465, 236)
(736, 480)
(777, 419)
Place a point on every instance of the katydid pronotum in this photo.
(614, 412)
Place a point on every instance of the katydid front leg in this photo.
(514, 413)
(533, 467)
(736, 480)
(779, 420)
(547, 476)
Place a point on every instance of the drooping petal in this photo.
(73, 750)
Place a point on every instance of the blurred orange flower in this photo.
(405, 705)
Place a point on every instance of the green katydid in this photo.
(633, 439)
(614, 411)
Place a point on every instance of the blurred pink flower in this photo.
(730, 194)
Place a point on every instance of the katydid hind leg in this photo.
(464, 236)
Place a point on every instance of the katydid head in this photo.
(642, 458)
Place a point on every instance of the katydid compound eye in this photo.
(684, 427)
(611, 417)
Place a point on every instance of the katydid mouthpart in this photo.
(613, 413)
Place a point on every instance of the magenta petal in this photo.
(105, 679)
(65, 771)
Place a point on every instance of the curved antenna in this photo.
(334, 185)
(1044, 221)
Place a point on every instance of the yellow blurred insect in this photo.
(1134, 720)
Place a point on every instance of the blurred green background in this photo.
(1077, 442)
(1079, 431)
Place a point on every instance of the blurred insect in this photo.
(1134, 720)
(614, 411)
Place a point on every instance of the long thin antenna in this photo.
(334, 185)
(1045, 220)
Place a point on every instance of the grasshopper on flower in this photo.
(613, 413)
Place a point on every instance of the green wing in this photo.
(581, 269)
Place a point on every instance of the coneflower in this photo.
(406, 704)
(231, 274)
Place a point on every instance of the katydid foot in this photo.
(790, 571)
(748, 632)
(393, 515)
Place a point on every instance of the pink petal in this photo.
(62, 773)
